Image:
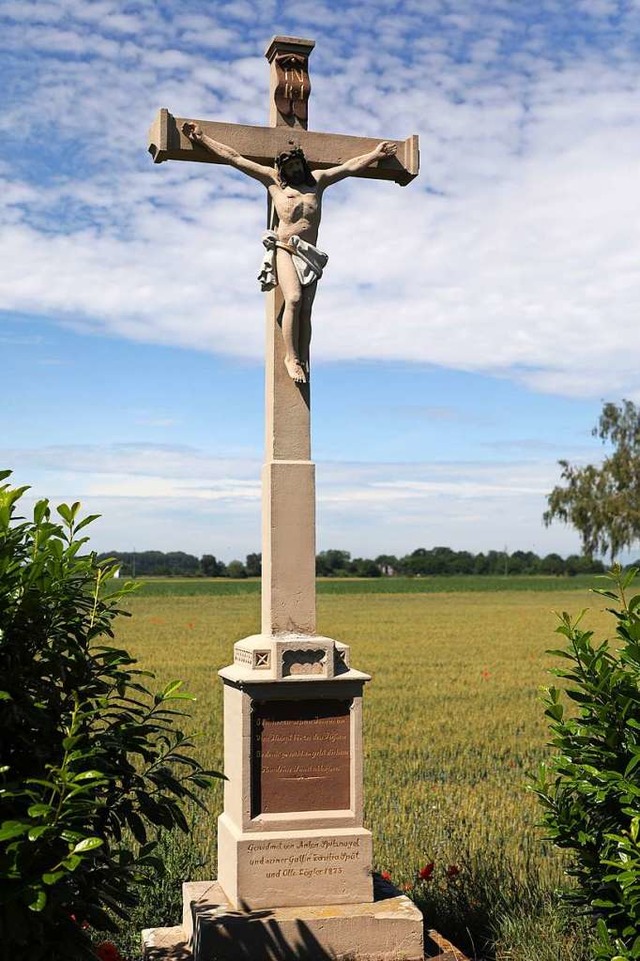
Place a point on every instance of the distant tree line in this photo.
(179, 564)
(444, 560)
(335, 563)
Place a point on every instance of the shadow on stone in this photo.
(166, 944)
(438, 948)
(234, 937)
(388, 928)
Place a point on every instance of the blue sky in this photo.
(468, 326)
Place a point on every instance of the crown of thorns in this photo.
(296, 153)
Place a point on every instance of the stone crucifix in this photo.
(296, 166)
(295, 264)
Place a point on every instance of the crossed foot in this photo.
(295, 370)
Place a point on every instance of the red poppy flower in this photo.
(107, 951)
(385, 875)
(453, 871)
(425, 873)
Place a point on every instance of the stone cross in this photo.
(288, 508)
(294, 858)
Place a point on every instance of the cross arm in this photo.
(262, 144)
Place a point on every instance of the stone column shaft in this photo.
(288, 480)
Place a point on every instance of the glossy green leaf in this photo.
(13, 829)
(88, 844)
(39, 901)
(38, 810)
(34, 834)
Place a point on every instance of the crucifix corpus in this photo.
(291, 834)
(293, 262)
(281, 157)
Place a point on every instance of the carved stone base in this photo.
(388, 929)
(292, 868)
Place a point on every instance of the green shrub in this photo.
(161, 904)
(92, 763)
(590, 791)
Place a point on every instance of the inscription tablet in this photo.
(300, 756)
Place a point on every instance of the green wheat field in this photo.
(453, 724)
(453, 721)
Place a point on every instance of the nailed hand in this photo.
(192, 130)
(386, 149)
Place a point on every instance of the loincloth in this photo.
(309, 261)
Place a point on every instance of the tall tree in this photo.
(236, 569)
(211, 566)
(329, 563)
(603, 502)
(253, 565)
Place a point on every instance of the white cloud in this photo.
(367, 508)
(526, 260)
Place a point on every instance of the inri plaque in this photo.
(300, 756)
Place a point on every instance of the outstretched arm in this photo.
(197, 136)
(353, 166)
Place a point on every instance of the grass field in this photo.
(453, 722)
(222, 586)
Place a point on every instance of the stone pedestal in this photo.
(291, 832)
(294, 860)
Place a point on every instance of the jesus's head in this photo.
(293, 169)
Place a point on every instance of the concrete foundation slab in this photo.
(390, 929)
(165, 944)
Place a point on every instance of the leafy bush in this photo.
(161, 907)
(92, 763)
(590, 792)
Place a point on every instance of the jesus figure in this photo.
(296, 194)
